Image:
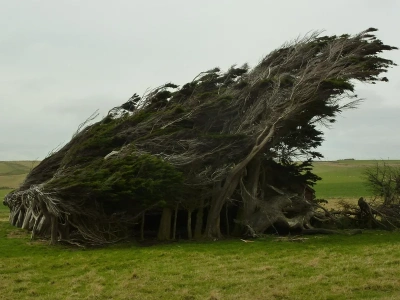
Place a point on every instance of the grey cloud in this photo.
(62, 60)
(368, 132)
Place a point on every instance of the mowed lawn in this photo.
(344, 178)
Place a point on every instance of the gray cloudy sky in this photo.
(61, 60)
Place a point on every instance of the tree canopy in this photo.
(233, 148)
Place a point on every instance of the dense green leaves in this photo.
(139, 179)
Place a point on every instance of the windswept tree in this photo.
(224, 147)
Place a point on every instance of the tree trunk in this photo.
(232, 182)
(21, 216)
(250, 189)
(238, 229)
(63, 229)
(164, 232)
(218, 227)
(14, 215)
(27, 219)
(54, 230)
(142, 226)
(189, 224)
(198, 230)
(227, 220)
(212, 226)
(44, 226)
(175, 221)
(36, 225)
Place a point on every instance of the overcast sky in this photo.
(61, 60)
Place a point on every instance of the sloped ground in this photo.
(13, 173)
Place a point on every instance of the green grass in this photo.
(344, 179)
(11, 181)
(364, 266)
(16, 167)
(2, 194)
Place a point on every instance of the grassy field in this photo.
(12, 173)
(344, 179)
(365, 266)
(3, 193)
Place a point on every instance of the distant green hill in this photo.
(344, 178)
(12, 173)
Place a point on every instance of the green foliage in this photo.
(98, 142)
(241, 84)
(208, 85)
(300, 142)
(139, 117)
(207, 95)
(132, 103)
(288, 173)
(321, 42)
(286, 81)
(178, 109)
(225, 98)
(265, 83)
(184, 92)
(138, 179)
(337, 84)
(160, 99)
(103, 137)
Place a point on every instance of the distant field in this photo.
(344, 178)
(13, 173)
(16, 167)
